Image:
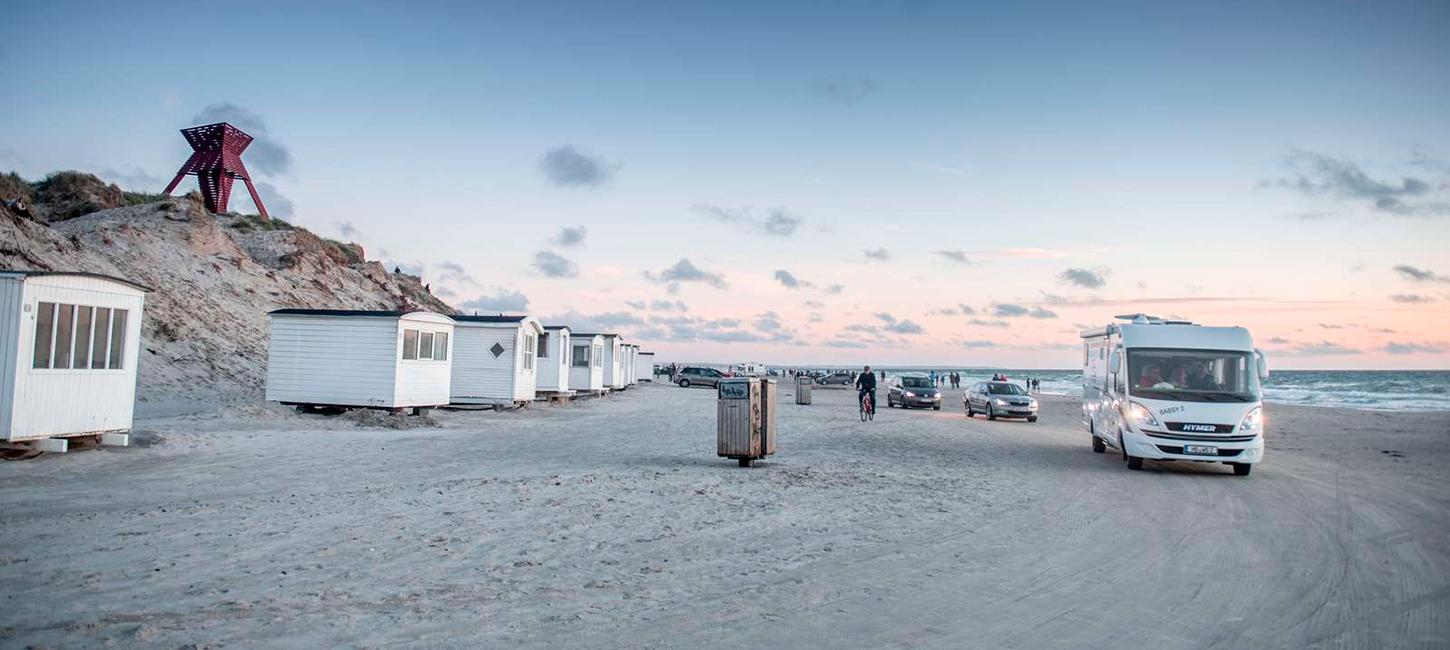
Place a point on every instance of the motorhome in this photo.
(1160, 389)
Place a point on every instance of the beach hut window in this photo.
(101, 336)
(44, 334)
(82, 353)
(581, 356)
(598, 352)
(440, 346)
(425, 345)
(544, 345)
(75, 337)
(528, 352)
(410, 344)
(118, 337)
(64, 329)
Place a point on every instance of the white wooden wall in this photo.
(11, 289)
(341, 360)
(479, 377)
(590, 378)
(53, 402)
(612, 366)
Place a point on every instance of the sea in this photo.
(1379, 390)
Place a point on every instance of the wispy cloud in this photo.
(454, 272)
(847, 90)
(779, 222)
(567, 166)
(554, 265)
(501, 300)
(266, 154)
(1394, 347)
(1417, 274)
(791, 281)
(1085, 278)
(979, 343)
(1410, 298)
(1319, 175)
(571, 236)
(685, 271)
(959, 256)
(669, 305)
(988, 323)
(1009, 310)
(877, 254)
(891, 324)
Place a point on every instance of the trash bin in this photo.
(803, 390)
(741, 411)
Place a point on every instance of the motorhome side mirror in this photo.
(1262, 363)
(1115, 363)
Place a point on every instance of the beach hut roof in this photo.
(83, 274)
(349, 312)
(491, 319)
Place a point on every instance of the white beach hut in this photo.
(356, 358)
(68, 349)
(495, 360)
(645, 366)
(613, 364)
(553, 361)
(586, 363)
(626, 365)
(633, 364)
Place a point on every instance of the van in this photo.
(1174, 390)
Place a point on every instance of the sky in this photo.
(812, 183)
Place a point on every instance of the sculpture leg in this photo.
(175, 181)
(257, 200)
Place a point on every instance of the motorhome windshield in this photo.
(1193, 375)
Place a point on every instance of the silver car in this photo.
(999, 399)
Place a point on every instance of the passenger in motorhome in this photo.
(1202, 378)
(1151, 377)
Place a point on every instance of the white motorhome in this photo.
(1174, 390)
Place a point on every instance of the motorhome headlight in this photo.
(1143, 416)
(1254, 421)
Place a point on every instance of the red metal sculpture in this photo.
(217, 161)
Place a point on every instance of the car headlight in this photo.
(1000, 401)
(1032, 403)
(910, 394)
(1254, 421)
(1143, 415)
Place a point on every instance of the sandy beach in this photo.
(611, 523)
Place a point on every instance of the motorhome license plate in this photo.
(1203, 450)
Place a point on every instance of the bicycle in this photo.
(868, 408)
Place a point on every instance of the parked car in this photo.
(698, 376)
(837, 379)
(999, 399)
(913, 389)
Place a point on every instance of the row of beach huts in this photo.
(70, 341)
(421, 359)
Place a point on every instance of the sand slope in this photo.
(610, 523)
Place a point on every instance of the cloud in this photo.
(349, 231)
(606, 322)
(668, 305)
(566, 166)
(846, 90)
(687, 329)
(1085, 278)
(1008, 310)
(278, 205)
(637, 304)
(845, 343)
(1416, 274)
(454, 272)
(835, 289)
(571, 236)
(685, 271)
(959, 256)
(1321, 349)
(988, 323)
(898, 327)
(878, 254)
(1315, 174)
(502, 300)
(1410, 298)
(266, 154)
(1415, 348)
(554, 265)
(136, 180)
(790, 280)
(1331, 326)
(979, 343)
(776, 221)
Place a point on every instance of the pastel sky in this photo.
(887, 183)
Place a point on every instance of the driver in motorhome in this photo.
(1151, 377)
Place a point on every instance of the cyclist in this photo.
(866, 384)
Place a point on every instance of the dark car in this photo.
(1000, 399)
(913, 389)
(837, 379)
(698, 376)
